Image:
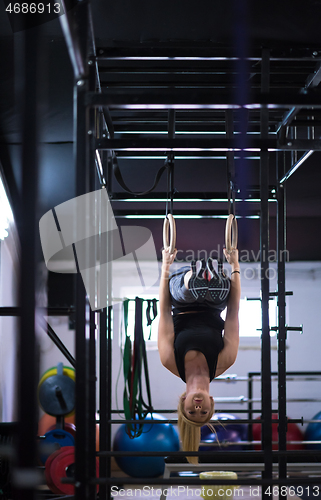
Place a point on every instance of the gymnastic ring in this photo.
(231, 233)
(169, 224)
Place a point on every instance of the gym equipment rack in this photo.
(101, 82)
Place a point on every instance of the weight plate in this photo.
(68, 426)
(54, 437)
(67, 370)
(63, 467)
(48, 463)
(56, 395)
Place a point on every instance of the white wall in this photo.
(303, 351)
(8, 329)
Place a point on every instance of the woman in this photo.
(190, 340)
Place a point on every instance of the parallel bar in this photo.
(196, 481)
(264, 248)
(291, 374)
(151, 212)
(50, 311)
(243, 455)
(282, 331)
(185, 98)
(251, 194)
(199, 50)
(186, 144)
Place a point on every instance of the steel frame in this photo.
(78, 32)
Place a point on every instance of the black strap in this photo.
(120, 179)
(151, 304)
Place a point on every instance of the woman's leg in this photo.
(187, 277)
(178, 287)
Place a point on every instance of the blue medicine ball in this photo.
(232, 433)
(313, 433)
(155, 437)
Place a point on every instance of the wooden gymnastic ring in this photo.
(231, 233)
(169, 224)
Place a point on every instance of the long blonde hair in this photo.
(189, 431)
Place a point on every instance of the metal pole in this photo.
(109, 389)
(81, 126)
(103, 461)
(25, 475)
(92, 490)
(264, 247)
(282, 332)
(250, 405)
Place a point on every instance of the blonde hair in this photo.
(189, 431)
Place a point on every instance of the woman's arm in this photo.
(166, 326)
(231, 329)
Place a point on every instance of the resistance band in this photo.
(121, 181)
(135, 358)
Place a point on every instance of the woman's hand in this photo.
(232, 257)
(168, 258)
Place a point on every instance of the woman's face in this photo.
(197, 406)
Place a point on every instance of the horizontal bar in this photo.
(185, 144)
(243, 455)
(187, 481)
(185, 98)
(185, 214)
(200, 50)
(185, 155)
(46, 311)
(291, 374)
(216, 421)
(288, 328)
(251, 195)
(228, 410)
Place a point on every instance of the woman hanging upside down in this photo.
(190, 340)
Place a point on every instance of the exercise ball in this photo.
(229, 433)
(293, 434)
(155, 437)
(313, 433)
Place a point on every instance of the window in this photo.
(249, 318)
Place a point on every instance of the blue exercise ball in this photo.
(155, 437)
(313, 433)
(231, 433)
